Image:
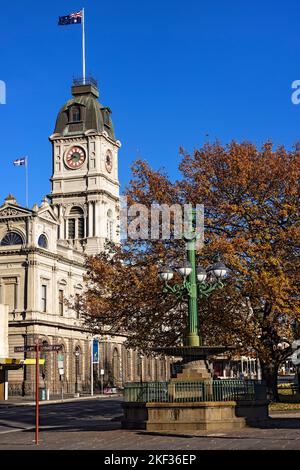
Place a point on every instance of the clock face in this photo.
(109, 163)
(75, 157)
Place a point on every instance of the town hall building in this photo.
(43, 252)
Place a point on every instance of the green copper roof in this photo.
(93, 116)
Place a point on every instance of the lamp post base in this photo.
(193, 340)
(194, 370)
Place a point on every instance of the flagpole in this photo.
(83, 46)
(26, 177)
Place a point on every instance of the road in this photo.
(95, 424)
(84, 415)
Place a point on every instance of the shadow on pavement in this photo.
(279, 423)
(87, 416)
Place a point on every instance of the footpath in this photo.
(19, 401)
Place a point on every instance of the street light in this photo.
(201, 274)
(166, 274)
(156, 368)
(197, 283)
(77, 354)
(141, 369)
(185, 269)
(219, 270)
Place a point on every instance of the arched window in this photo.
(12, 238)
(43, 242)
(128, 365)
(149, 368)
(163, 369)
(116, 365)
(71, 225)
(75, 114)
(76, 224)
(156, 377)
(139, 367)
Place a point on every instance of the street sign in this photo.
(24, 348)
(95, 351)
(102, 372)
(32, 362)
(42, 348)
(51, 347)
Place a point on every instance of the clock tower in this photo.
(85, 184)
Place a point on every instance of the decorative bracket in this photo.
(183, 290)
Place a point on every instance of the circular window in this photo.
(43, 242)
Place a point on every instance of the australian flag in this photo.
(73, 18)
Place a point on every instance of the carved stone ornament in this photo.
(47, 216)
(10, 212)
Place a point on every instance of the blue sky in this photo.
(172, 72)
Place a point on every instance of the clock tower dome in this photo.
(85, 184)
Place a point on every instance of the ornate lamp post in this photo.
(197, 283)
(194, 399)
(141, 357)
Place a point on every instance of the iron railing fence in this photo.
(85, 81)
(195, 391)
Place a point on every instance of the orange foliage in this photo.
(251, 200)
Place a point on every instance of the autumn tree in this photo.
(251, 201)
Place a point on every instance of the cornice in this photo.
(83, 194)
(85, 175)
(70, 138)
(61, 326)
(46, 254)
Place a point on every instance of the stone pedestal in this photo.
(194, 370)
(201, 416)
(189, 405)
(182, 417)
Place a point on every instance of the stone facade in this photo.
(3, 331)
(42, 255)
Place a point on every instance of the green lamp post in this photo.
(197, 282)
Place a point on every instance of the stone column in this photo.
(30, 284)
(59, 232)
(97, 218)
(91, 219)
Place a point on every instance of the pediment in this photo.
(9, 211)
(48, 214)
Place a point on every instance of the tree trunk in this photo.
(269, 372)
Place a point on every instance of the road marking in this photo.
(29, 428)
(17, 430)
